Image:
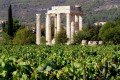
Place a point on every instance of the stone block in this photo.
(84, 42)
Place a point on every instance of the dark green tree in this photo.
(110, 33)
(10, 22)
(16, 26)
(93, 31)
(118, 21)
(80, 35)
(61, 37)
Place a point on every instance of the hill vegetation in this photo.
(94, 10)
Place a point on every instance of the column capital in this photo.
(55, 16)
(72, 14)
(77, 14)
(68, 13)
(81, 15)
(47, 13)
(58, 13)
(38, 14)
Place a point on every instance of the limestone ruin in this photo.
(92, 43)
(74, 20)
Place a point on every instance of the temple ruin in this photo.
(74, 20)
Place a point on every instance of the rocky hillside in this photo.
(94, 10)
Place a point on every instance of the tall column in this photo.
(55, 25)
(48, 30)
(80, 22)
(58, 22)
(72, 30)
(38, 29)
(76, 18)
(68, 27)
(72, 26)
(76, 23)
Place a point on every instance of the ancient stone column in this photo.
(68, 27)
(72, 30)
(80, 22)
(72, 26)
(38, 29)
(48, 29)
(76, 18)
(55, 25)
(58, 22)
(76, 23)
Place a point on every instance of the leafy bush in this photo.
(118, 21)
(16, 26)
(79, 36)
(6, 39)
(73, 62)
(110, 33)
(24, 36)
(42, 40)
(61, 37)
(93, 31)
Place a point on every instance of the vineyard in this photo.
(74, 62)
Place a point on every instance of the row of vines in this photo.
(74, 62)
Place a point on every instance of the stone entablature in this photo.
(65, 9)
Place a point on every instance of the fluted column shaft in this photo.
(72, 26)
(55, 25)
(68, 27)
(76, 23)
(80, 22)
(58, 22)
(48, 29)
(38, 29)
(72, 30)
(76, 18)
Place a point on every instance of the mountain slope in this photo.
(94, 10)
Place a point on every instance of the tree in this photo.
(6, 39)
(118, 21)
(16, 26)
(110, 33)
(24, 36)
(61, 37)
(93, 31)
(79, 36)
(10, 22)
